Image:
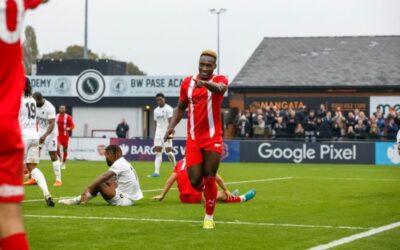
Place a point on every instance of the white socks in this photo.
(157, 162)
(208, 217)
(41, 181)
(57, 169)
(171, 158)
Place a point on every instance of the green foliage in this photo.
(76, 52)
(324, 194)
(71, 52)
(30, 48)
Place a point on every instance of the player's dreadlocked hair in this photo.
(115, 150)
(28, 87)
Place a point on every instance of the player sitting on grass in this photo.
(187, 194)
(119, 186)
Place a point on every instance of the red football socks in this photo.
(233, 199)
(14, 242)
(65, 155)
(210, 194)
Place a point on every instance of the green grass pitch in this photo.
(296, 207)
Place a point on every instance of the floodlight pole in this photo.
(85, 49)
(218, 13)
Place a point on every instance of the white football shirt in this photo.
(44, 114)
(27, 118)
(161, 115)
(398, 138)
(127, 179)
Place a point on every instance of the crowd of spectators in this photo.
(322, 123)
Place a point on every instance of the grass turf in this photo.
(331, 195)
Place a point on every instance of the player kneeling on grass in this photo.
(119, 186)
(187, 194)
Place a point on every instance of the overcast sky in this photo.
(165, 37)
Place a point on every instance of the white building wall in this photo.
(88, 119)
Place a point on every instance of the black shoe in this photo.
(50, 202)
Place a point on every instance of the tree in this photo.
(132, 69)
(72, 52)
(30, 47)
(76, 52)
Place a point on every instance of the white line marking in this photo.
(356, 236)
(160, 189)
(347, 179)
(192, 221)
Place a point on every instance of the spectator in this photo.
(356, 113)
(327, 126)
(350, 122)
(243, 126)
(392, 129)
(321, 113)
(377, 111)
(360, 129)
(339, 122)
(279, 129)
(122, 129)
(299, 131)
(374, 130)
(310, 126)
(380, 122)
(259, 126)
(302, 113)
(291, 123)
(337, 129)
(365, 121)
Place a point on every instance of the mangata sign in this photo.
(346, 104)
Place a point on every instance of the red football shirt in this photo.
(204, 108)
(183, 181)
(12, 76)
(63, 122)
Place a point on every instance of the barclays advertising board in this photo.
(142, 149)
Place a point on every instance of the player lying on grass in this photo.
(187, 194)
(119, 185)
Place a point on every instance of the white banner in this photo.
(385, 103)
(88, 149)
(90, 86)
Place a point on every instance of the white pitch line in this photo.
(354, 237)
(347, 179)
(160, 189)
(191, 221)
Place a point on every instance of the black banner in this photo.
(304, 152)
(331, 103)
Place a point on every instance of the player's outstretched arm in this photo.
(218, 88)
(222, 185)
(176, 118)
(92, 188)
(171, 180)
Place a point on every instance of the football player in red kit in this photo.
(202, 94)
(12, 82)
(65, 126)
(187, 194)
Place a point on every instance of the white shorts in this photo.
(120, 199)
(159, 142)
(50, 143)
(31, 151)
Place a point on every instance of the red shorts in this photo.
(11, 161)
(63, 140)
(190, 198)
(195, 148)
